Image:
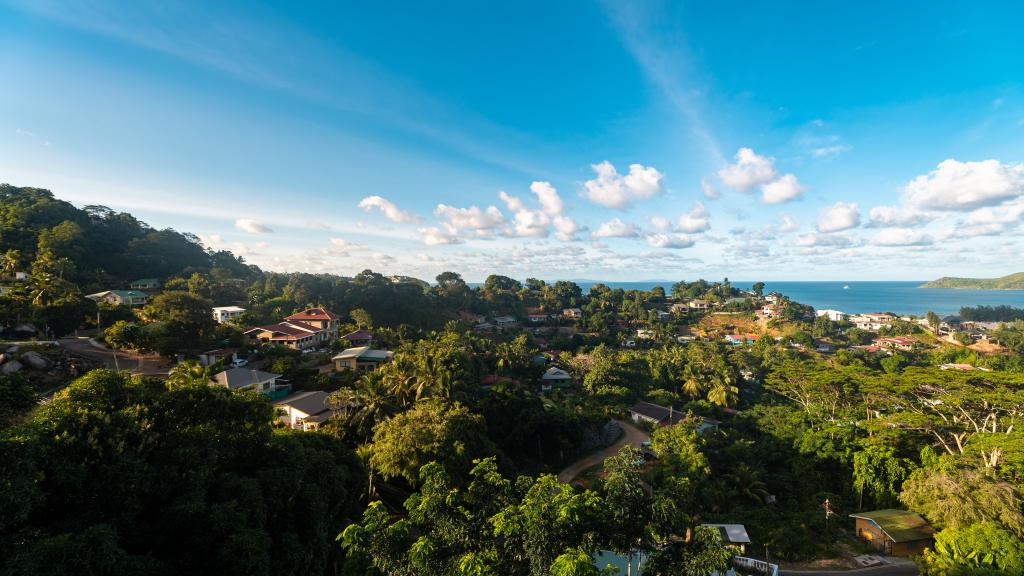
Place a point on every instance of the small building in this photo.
(896, 343)
(361, 359)
(698, 304)
(555, 377)
(824, 346)
(737, 339)
(537, 317)
(359, 338)
(734, 535)
(224, 314)
(663, 315)
(305, 410)
(145, 284)
(770, 311)
(211, 357)
(662, 416)
(894, 532)
(129, 298)
(833, 315)
(503, 321)
(251, 379)
(572, 313)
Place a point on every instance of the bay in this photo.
(899, 297)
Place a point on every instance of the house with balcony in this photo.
(324, 320)
(361, 359)
(227, 314)
(129, 298)
(294, 335)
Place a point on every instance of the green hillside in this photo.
(1009, 282)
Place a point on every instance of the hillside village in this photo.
(709, 420)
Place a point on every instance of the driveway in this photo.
(633, 436)
(899, 567)
(145, 364)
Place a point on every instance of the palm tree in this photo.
(746, 483)
(188, 374)
(9, 262)
(722, 393)
(368, 403)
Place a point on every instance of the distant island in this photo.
(1009, 282)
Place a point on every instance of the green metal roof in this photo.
(900, 525)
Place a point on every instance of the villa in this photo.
(224, 314)
(361, 359)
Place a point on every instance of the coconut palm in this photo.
(368, 403)
(188, 374)
(9, 262)
(746, 483)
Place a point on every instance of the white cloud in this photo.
(615, 228)
(388, 208)
(832, 150)
(548, 196)
(895, 216)
(670, 240)
(901, 237)
(784, 189)
(565, 228)
(989, 221)
(709, 190)
(815, 239)
(612, 190)
(696, 220)
(532, 223)
(750, 170)
(434, 236)
(789, 224)
(342, 247)
(839, 216)
(316, 225)
(252, 226)
(962, 186)
(472, 218)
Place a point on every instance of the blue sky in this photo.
(615, 141)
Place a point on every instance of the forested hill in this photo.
(1009, 282)
(95, 247)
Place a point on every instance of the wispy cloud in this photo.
(666, 60)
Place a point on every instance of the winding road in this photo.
(632, 435)
(145, 364)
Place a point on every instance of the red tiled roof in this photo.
(287, 330)
(314, 314)
(358, 335)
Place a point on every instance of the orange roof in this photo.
(314, 314)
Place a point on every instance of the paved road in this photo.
(900, 567)
(633, 435)
(148, 365)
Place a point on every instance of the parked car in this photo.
(239, 362)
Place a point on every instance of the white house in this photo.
(833, 315)
(224, 314)
(304, 410)
(130, 298)
(873, 321)
(574, 313)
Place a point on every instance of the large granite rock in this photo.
(10, 367)
(36, 360)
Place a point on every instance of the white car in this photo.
(239, 362)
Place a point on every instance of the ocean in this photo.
(902, 297)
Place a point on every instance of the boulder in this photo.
(10, 367)
(12, 350)
(36, 360)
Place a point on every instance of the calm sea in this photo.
(857, 297)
